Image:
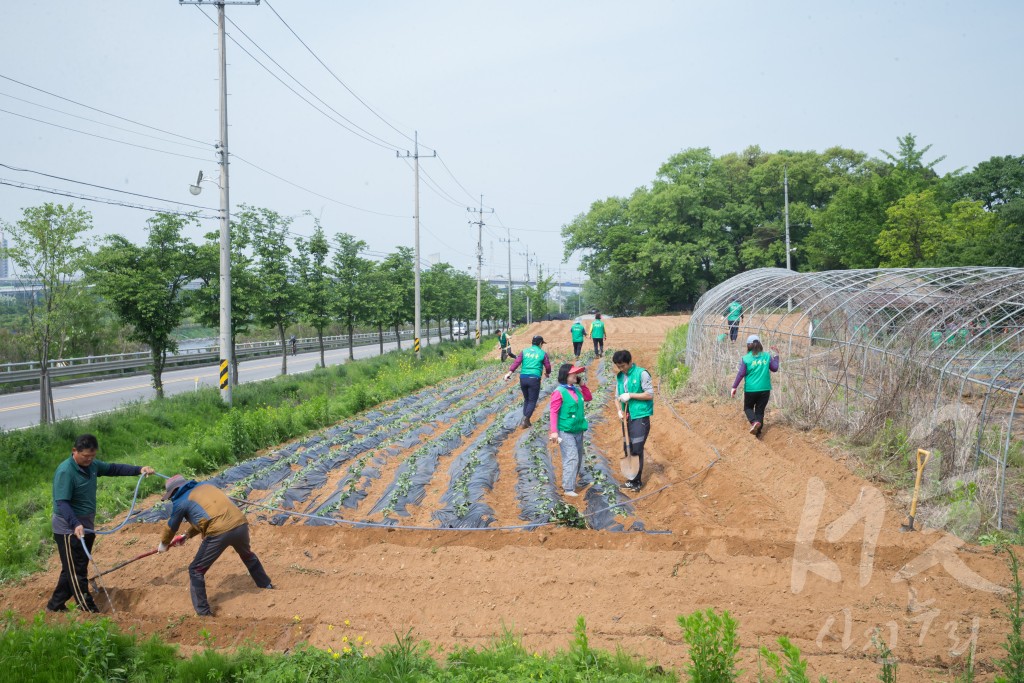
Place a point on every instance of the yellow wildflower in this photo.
(336, 655)
(347, 623)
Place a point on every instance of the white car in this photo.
(461, 330)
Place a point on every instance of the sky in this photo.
(541, 107)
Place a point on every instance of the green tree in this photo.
(48, 250)
(205, 301)
(144, 284)
(275, 290)
(386, 299)
(438, 303)
(397, 268)
(915, 232)
(351, 296)
(314, 283)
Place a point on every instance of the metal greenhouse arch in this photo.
(938, 352)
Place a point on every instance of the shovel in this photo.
(921, 462)
(630, 464)
(178, 540)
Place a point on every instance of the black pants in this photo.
(74, 573)
(506, 352)
(638, 430)
(599, 346)
(754, 403)
(734, 329)
(531, 391)
(577, 347)
(210, 549)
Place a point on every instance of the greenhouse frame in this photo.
(934, 353)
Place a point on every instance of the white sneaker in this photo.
(571, 494)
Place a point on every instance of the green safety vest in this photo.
(759, 376)
(597, 330)
(578, 332)
(570, 415)
(637, 408)
(533, 361)
(503, 341)
(734, 311)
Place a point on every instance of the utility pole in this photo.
(416, 240)
(228, 376)
(479, 260)
(508, 323)
(529, 318)
(785, 190)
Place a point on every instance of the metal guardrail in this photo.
(66, 370)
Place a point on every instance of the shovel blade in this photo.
(629, 466)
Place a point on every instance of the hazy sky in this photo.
(543, 107)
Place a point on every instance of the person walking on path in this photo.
(635, 390)
(74, 519)
(506, 347)
(568, 422)
(734, 316)
(294, 342)
(222, 525)
(755, 373)
(533, 361)
(597, 334)
(579, 333)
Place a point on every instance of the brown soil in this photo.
(732, 545)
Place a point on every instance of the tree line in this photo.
(277, 280)
(704, 219)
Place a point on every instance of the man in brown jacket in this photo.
(222, 525)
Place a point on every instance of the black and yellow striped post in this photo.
(478, 336)
(223, 374)
(416, 346)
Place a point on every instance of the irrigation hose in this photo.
(85, 549)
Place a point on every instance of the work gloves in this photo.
(624, 398)
(177, 540)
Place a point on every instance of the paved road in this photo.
(79, 400)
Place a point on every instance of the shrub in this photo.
(713, 646)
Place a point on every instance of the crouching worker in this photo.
(222, 525)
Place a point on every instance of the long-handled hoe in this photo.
(909, 526)
(178, 540)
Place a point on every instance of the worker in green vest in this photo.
(755, 373)
(568, 423)
(506, 346)
(635, 390)
(532, 360)
(597, 334)
(734, 316)
(579, 333)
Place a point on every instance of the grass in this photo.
(672, 366)
(80, 649)
(197, 434)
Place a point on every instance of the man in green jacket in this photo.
(635, 390)
(579, 333)
(534, 361)
(74, 519)
(506, 347)
(597, 333)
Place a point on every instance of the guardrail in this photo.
(70, 370)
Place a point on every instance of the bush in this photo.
(713, 646)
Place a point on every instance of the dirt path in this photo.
(744, 537)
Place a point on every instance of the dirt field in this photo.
(744, 536)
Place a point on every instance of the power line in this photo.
(105, 113)
(102, 137)
(101, 200)
(104, 187)
(102, 123)
(294, 91)
(335, 76)
(433, 186)
(468, 193)
(319, 99)
(314, 193)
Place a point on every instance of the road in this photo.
(21, 409)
